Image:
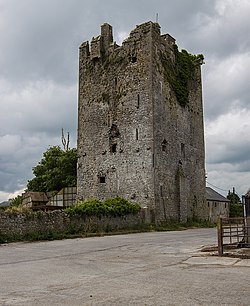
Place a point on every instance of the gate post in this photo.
(220, 237)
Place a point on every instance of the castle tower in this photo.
(140, 124)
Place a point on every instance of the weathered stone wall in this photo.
(217, 209)
(134, 139)
(115, 132)
(178, 141)
(23, 224)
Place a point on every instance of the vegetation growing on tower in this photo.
(180, 73)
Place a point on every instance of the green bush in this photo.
(111, 207)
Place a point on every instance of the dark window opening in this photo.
(164, 145)
(95, 60)
(133, 59)
(136, 134)
(113, 148)
(115, 82)
(108, 120)
(114, 132)
(161, 191)
(102, 179)
(182, 149)
(138, 101)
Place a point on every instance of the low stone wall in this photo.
(29, 223)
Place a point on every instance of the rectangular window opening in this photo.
(102, 179)
(113, 148)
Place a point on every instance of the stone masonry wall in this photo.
(134, 139)
(115, 134)
(23, 224)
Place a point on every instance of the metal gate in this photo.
(233, 232)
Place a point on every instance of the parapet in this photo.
(99, 45)
(103, 44)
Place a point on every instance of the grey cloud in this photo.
(226, 84)
(225, 33)
(19, 154)
(39, 71)
(39, 107)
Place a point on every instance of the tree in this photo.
(233, 197)
(56, 170)
(235, 208)
(17, 201)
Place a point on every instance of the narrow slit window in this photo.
(161, 191)
(136, 134)
(138, 101)
(183, 150)
(115, 82)
(164, 146)
(108, 120)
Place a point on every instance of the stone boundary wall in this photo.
(28, 223)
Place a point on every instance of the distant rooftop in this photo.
(213, 195)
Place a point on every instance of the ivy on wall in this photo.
(181, 72)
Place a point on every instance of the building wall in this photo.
(134, 139)
(217, 210)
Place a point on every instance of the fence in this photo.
(233, 232)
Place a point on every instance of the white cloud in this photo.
(9, 195)
(121, 36)
(222, 179)
(226, 84)
(226, 31)
(228, 150)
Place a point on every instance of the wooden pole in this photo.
(220, 237)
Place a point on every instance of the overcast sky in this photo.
(39, 76)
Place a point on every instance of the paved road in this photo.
(165, 268)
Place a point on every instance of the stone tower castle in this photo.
(140, 123)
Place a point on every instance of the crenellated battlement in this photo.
(103, 44)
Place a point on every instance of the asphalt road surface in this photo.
(163, 268)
